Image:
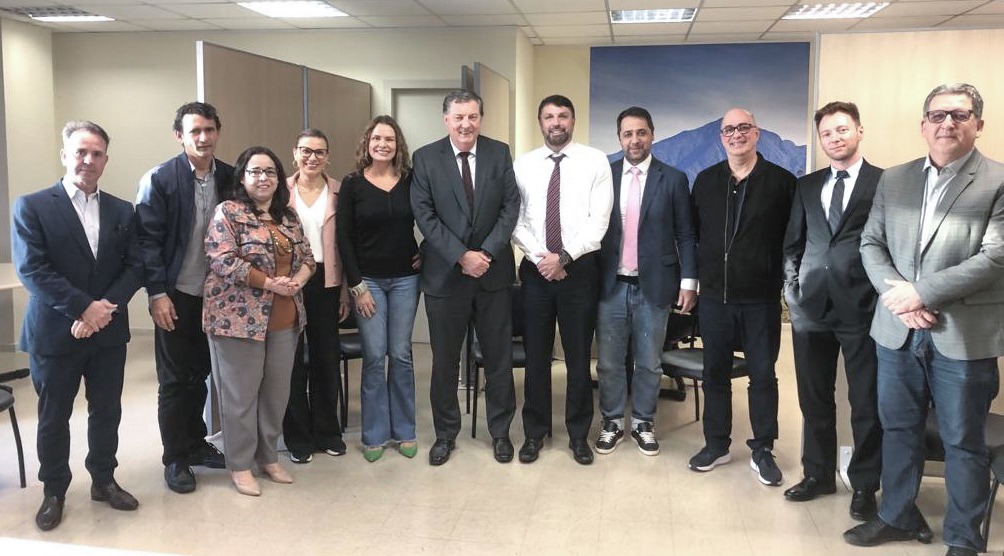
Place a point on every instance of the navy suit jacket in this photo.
(667, 242)
(824, 268)
(165, 205)
(450, 228)
(54, 262)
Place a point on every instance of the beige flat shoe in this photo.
(277, 473)
(246, 483)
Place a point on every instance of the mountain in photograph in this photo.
(696, 149)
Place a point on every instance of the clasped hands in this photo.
(97, 316)
(904, 301)
(550, 267)
(474, 263)
(283, 285)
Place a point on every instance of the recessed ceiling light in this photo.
(57, 14)
(671, 15)
(294, 10)
(857, 10)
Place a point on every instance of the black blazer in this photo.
(821, 267)
(450, 228)
(667, 242)
(56, 266)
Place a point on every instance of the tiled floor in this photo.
(625, 503)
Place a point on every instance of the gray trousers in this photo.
(252, 380)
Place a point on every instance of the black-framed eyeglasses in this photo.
(257, 173)
(307, 152)
(939, 116)
(743, 129)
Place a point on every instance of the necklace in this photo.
(282, 244)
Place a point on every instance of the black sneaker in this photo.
(766, 468)
(300, 456)
(337, 447)
(609, 437)
(709, 458)
(644, 435)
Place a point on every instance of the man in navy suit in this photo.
(76, 253)
(648, 262)
(831, 303)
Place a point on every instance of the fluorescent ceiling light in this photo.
(70, 18)
(294, 9)
(857, 10)
(670, 15)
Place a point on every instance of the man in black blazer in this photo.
(465, 201)
(650, 244)
(831, 303)
(75, 251)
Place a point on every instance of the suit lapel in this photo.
(615, 213)
(452, 168)
(64, 207)
(653, 188)
(959, 183)
(108, 228)
(480, 169)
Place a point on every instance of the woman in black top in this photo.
(377, 243)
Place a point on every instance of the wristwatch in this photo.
(564, 258)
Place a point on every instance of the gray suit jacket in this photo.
(450, 228)
(961, 266)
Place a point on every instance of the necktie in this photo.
(465, 174)
(837, 201)
(629, 250)
(552, 218)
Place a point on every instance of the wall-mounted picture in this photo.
(688, 88)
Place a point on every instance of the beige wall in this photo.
(561, 70)
(888, 75)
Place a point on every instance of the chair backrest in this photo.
(681, 328)
(350, 321)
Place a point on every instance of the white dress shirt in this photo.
(625, 192)
(472, 160)
(87, 209)
(853, 172)
(586, 199)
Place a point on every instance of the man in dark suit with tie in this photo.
(76, 253)
(650, 244)
(831, 303)
(933, 247)
(465, 202)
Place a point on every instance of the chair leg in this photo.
(17, 441)
(344, 401)
(988, 514)
(697, 401)
(468, 363)
(477, 388)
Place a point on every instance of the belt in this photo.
(627, 279)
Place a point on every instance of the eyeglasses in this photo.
(307, 152)
(958, 116)
(743, 129)
(257, 173)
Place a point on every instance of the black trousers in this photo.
(448, 320)
(57, 379)
(182, 357)
(572, 303)
(816, 345)
(756, 327)
(311, 421)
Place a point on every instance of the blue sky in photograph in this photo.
(687, 86)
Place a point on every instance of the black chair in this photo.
(475, 359)
(688, 362)
(7, 404)
(995, 444)
(351, 348)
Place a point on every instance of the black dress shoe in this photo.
(503, 449)
(50, 513)
(530, 450)
(208, 456)
(440, 451)
(179, 478)
(876, 532)
(581, 451)
(808, 489)
(112, 493)
(961, 551)
(863, 506)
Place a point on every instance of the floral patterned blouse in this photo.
(237, 241)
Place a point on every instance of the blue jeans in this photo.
(626, 316)
(909, 380)
(387, 390)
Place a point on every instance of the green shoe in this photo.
(372, 454)
(408, 449)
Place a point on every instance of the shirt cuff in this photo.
(688, 284)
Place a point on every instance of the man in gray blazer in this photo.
(465, 201)
(934, 249)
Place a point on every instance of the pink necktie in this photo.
(629, 251)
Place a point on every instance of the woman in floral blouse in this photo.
(253, 313)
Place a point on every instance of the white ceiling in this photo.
(545, 22)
